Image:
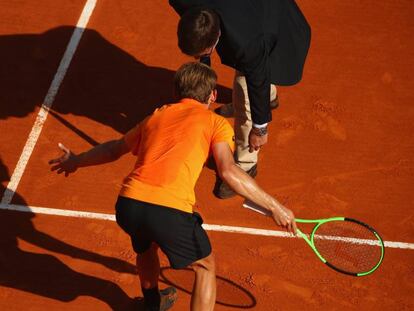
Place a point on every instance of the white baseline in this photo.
(219, 228)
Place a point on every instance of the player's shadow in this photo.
(229, 293)
(44, 274)
(103, 83)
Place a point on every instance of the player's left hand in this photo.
(255, 141)
(67, 163)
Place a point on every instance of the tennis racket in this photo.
(344, 244)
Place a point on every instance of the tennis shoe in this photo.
(169, 296)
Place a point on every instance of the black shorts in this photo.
(178, 234)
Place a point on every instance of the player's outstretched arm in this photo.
(246, 186)
(69, 162)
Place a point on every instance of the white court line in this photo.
(48, 101)
(219, 228)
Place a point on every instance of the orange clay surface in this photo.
(341, 143)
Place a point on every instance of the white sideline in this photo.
(219, 228)
(47, 102)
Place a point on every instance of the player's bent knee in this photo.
(154, 247)
(205, 264)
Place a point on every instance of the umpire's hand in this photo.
(256, 141)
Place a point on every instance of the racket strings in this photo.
(348, 246)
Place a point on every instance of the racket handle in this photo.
(254, 207)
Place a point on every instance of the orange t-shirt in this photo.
(172, 146)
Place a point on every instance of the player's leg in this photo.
(130, 215)
(183, 240)
(204, 290)
(148, 266)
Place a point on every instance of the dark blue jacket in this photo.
(266, 40)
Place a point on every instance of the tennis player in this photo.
(155, 204)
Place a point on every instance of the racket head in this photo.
(348, 245)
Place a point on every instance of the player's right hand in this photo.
(284, 217)
(67, 163)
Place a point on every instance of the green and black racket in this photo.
(344, 244)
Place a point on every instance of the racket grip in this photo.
(254, 207)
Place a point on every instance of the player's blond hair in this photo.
(195, 80)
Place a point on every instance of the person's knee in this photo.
(207, 264)
(153, 248)
(149, 257)
(151, 251)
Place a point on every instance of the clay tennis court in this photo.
(341, 143)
